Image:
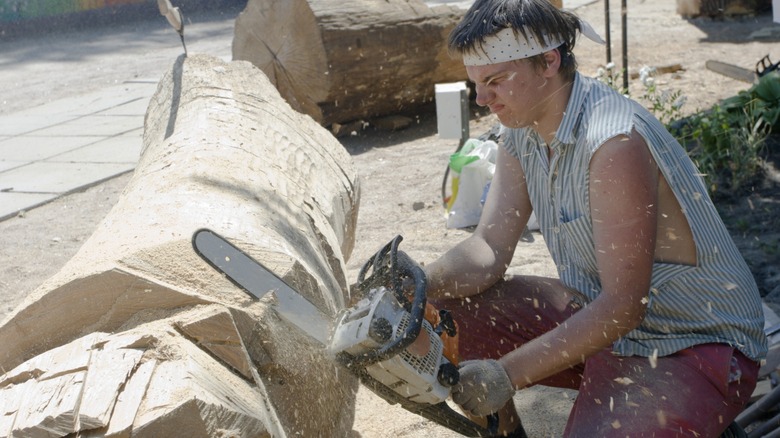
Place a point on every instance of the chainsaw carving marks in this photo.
(137, 336)
(114, 384)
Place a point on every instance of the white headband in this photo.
(506, 45)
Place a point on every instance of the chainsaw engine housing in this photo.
(376, 321)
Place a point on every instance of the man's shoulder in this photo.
(604, 113)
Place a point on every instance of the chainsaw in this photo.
(764, 66)
(398, 345)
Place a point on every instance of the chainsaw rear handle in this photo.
(393, 265)
(765, 66)
(389, 267)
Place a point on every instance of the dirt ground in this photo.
(401, 172)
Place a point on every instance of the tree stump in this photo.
(137, 336)
(345, 60)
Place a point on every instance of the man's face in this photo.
(515, 91)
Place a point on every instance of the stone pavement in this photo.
(71, 144)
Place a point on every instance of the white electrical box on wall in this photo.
(776, 10)
(452, 110)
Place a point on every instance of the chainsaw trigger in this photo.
(446, 324)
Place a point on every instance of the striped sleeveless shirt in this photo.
(715, 301)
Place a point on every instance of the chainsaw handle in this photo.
(411, 269)
(400, 265)
(417, 315)
(765, 66)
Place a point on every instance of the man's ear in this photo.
(552, 62)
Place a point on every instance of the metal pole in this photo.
(606, 25)
(624, 22)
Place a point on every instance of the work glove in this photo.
(484, 387)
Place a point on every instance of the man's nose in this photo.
(484, 95)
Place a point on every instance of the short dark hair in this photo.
(540, 17)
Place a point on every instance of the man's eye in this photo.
(493, 82)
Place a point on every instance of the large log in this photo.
(346, 60)
(137, 336)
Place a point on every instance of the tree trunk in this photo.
(345, 60)
(137, 336)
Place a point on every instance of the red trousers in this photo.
(695, 392)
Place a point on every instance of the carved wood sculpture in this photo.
(346, 60)
(137, 336)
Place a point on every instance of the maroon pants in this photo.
(694, 392)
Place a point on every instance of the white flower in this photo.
(647, 71)
(646, 76)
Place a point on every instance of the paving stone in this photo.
(59, 178)
(125, 148)
(34, 148)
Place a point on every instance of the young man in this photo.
(655, 317)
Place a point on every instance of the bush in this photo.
(726, 141)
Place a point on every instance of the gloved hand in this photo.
(484, 387)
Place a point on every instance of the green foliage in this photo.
(726, 145)
(763, 97)
(727, 140)
(665, 104)
(771, 248)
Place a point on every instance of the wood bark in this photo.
(137, 336)
(345, 60)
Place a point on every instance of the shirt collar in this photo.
(570, 122)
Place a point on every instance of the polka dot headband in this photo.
(505, 46)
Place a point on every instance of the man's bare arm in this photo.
(623, 197)
(480, 260)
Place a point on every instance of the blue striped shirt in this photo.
(715, 301)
